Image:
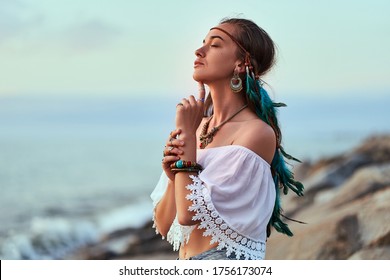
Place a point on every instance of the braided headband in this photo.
(247, 54)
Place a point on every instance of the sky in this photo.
(122, 47)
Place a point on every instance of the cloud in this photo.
(27, 27)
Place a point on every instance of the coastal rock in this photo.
(330, 173)
(380, 253)
(349, 202)
(128, 243)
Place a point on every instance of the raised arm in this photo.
(188, 118)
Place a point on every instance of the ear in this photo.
(240, 67)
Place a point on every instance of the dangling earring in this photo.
(236, 83)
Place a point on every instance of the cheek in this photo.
(223, 56)
(219, 66)
(224, 65)
(226, 60)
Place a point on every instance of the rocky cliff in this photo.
(346, 207)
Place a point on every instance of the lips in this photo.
(197, 63)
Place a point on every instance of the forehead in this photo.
(227, 27)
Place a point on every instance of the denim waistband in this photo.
(215, 254)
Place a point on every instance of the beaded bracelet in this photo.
(180, 164)
(176, 170)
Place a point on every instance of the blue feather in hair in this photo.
(265, 109)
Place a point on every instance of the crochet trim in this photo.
(210, 220)
(177, 233)
(154, 222)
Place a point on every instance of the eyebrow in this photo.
(214, 37)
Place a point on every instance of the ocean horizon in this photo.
(73, 169)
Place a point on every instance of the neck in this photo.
(225, 102)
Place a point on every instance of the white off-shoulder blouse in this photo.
(232, 198)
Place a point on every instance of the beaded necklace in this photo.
(206, 138)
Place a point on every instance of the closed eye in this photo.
(213, 38)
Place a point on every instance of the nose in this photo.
(199, 52)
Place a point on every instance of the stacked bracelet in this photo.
(176, 170)
(185, 166)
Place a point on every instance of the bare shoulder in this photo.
(259, 137)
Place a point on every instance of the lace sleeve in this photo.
(218, 228)
(157, 195)
(177, 233)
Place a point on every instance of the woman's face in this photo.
(216, 59)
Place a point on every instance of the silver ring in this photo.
(170, 148)
(201, 99)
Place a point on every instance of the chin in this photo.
(198, 78)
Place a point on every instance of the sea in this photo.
(74, 169)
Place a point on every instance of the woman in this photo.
(223, 164)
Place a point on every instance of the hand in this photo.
(189, 112)
(172, 152)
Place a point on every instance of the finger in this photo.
(168, 150)
(170, 159)
(192, 100)
(172, 150)
(174, 133)
(169, 142)
(202, 91)
(176, 142)
(175, 152)
(185, 102)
